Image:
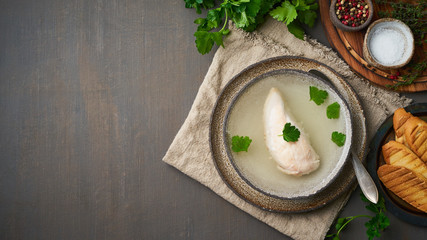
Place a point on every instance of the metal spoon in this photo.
(365, 180)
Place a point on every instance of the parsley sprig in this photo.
(374, 226)
(248, 15)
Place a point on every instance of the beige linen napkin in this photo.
(190, 153)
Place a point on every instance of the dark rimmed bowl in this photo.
(323, 181)
(338, 24)
(344, 182)
(394, 204)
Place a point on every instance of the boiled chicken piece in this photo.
(294, 158)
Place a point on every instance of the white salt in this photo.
(388, 46)
(390, 43)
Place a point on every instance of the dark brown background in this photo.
(91, 95)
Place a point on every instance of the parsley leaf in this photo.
(338, 138)
(296, 29)
(290, 133)
(239, 144)
(285, 13)
(204, 41)
(333, 111)
(308, 17)
(265, 7)
(318, 96)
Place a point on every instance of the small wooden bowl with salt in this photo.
(388, 44)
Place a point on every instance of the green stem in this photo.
(225, 22)
(348, 221)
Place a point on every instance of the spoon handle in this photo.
(365, 180)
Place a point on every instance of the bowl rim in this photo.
(334, 18)
(367, 52)
(349, 145)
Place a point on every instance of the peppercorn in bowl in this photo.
(351, 15)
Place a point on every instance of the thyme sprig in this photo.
(417, 69)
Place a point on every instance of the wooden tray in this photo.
(349, 45)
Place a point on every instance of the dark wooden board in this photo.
(349, 45)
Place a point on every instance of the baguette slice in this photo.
(400, 118)
(398, 154)
(416, 137)
(405, 184)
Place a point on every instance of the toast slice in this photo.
(405, 184)
(416, 137)
(400, 117)
(398, 154)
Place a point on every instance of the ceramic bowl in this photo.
(261, 171)
(338, 24)
(382, 33)
(344, 181)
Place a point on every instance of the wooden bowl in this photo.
(337, 23)
(396, 26)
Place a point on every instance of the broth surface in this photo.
(246, 119)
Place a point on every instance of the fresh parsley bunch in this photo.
(247, 15)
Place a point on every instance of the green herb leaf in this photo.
(338, 138)
(296, 29)
(318, 96)
(199, 4)
(247, 15)
(253, 7)
(239, 144)
(308, 17)
(374, 226)
(339, 223)
(204, 41)
(290, 133)
(333, 111)
(285, 13)
(379, 222)
(265, 7)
